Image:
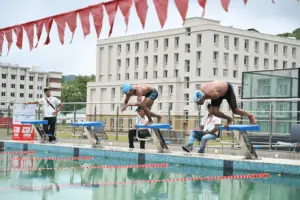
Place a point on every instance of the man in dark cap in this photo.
(52, 106)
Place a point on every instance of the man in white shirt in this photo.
(141, 118)
(208, 131)
(52, 106)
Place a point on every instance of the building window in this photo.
(294, 65)
(145, 75)
(127, 48)
(275, 64)
(40, 78)
(136, 61)
(127, 62)
(146, 60)
(136, 75)
(155, 74)
(285, 50)
(226, 57)
(226, 42)
(31, 87)
(13, 77)
(266, 63)
(256, 46)
(3, 94)
(247, 45)
(127, 76)
(235, 74)
(146, 45)
(215, 71)
(166, 43)
(199, 39)
(216, 39)
(198, 55)
(187, 66)
(166, 59)
(30, 95)
(186, 82)
(216, 56)
(155, 59)
(236, 42)
(155, 44)
(225, 72)
(294, 52)
(119, 48)
(267, 48)
(118, 77)
(4, 76)
(284, 64)
(22, 78)
(112, 107)
(235, 58)
(198, 86)
(239, 90)
(246, 60)
(159, 106)
(187, 48)
(137, 47)
(21, 86)
(176, 42)
(13, 86)
(4, 85)
(264, 87)
(256, 61)
(112, 123)
(176, 58)
(170, 89)
(31, 78)
(186, 99)
(160, 89)
(276, 49)
(165, 73)
(176, 73)
(198, 72)
(188, 31)
(119, 63)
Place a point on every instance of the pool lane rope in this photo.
(16, 152)
(160, 165)
(209, 178)
(54, 158)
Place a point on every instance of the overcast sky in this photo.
(80, 56)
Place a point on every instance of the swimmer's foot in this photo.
(229, 122)
(159, 118)
(252, 119)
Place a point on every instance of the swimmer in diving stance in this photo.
(141, 90)
(216, 91)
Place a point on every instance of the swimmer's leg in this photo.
(146, 106)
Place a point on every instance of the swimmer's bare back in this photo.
(144, 88)
(215, 89)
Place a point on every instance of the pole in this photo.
(39, 112)
(95, 113)
(271, 125)
(8, 115)
(117, 125)
(74, 119)
(169, 113)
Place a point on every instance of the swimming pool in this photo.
(64, 178)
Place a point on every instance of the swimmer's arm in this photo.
(139, 99)
(126, 99)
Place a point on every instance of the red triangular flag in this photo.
(1, 41)
(274, 1)
(202, 3)
(84, 16)
(39, 28)
(125, 6)
(97, 13)
(48, 25)
(8, 35)
(225, 4)
(19, 33)
(29, 28)
(61, 27)
(111, 9)
(245, 1)
(141, 9)
(161, 7)
(71, 19)
(182, 6)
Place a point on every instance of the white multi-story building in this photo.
(20, 84)
(178, 61)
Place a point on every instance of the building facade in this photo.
(179, 61)
(20, 84)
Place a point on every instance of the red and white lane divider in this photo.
(56, 158)
(211, 178)
(16, 152)
(162, 165)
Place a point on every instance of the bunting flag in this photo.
(97, 11)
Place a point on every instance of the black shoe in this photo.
(187, 148)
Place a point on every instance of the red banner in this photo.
(19, 134)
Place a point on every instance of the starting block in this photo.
(246, 146)
(34, 124)
(156, 137)
(87, 130)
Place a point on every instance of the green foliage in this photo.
(295, 33)
(75, 91)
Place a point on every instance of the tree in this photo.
(295, 33)
(75, 91)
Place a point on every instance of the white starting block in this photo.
(246, 146)
(91, 135)
(156, 135)
(34, 124)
